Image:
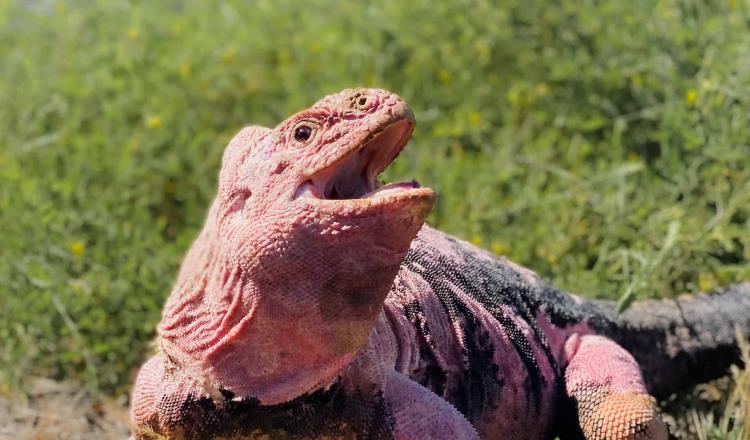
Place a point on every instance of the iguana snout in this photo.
(361, 132)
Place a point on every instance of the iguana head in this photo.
(310, 186)
(303, 244)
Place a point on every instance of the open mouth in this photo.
(355, 174)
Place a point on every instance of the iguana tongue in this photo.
(391, 188)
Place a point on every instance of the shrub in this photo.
(603, 144)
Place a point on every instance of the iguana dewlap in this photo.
(316, 304)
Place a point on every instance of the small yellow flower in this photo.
(666, 13)
(252, 84)
(444, 76)
(474, 118)
(547, 254)
(482, 49)
(476, 239)
(541, 89)
(134, 33)
(186, 70)
(720, 99)
(691, 97)
(515, 96)
(707, 282)
(314, 46)
(370, 78)
(675, 213)
(498, 248)
(229, 56)
(153, 122)
(285, 58)
(77, 248)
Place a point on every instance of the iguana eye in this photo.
(302, 133)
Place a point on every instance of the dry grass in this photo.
(50, 410)
(718, 410)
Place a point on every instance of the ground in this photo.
(49, 410)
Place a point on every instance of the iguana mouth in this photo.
(355, 174)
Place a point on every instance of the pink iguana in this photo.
(315, 303)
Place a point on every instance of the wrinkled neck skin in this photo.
(277, 315)
(283, 285)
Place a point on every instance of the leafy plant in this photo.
(571, 136)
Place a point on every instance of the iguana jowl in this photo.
(316, 304)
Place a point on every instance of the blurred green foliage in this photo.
(605, 144)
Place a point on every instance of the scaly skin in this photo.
(316, 304)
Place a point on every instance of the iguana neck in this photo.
(268, 338)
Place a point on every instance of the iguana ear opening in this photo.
(243, 143)
(241, 148)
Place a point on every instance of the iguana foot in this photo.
(619, 416)
(605, 384)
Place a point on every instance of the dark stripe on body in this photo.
(495, 286)
(431, 375)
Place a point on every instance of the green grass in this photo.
(604, 144)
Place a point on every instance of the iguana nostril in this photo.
(360, 102)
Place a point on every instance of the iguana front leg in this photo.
(605, 384)
(419, 413)
(160, 403)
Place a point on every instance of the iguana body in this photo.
(315, 304)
